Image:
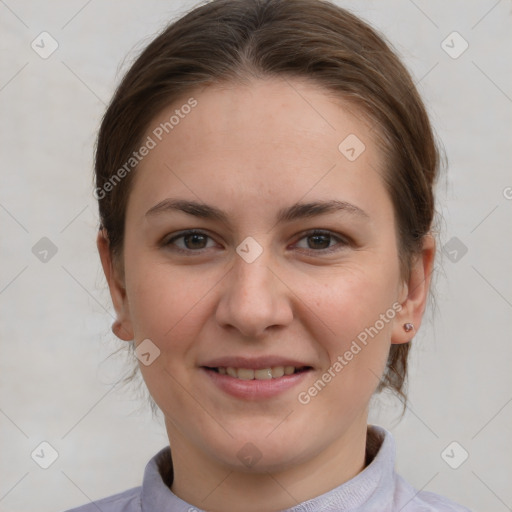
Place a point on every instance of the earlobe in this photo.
(122, 327)
(415, 294)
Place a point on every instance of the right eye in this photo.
(190, 241)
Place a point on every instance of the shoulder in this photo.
(126, 501)
(412, 500)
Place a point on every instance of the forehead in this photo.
(272, 138)
(271, 113)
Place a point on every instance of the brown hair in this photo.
(234, 40)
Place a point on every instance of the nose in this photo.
(254, 299)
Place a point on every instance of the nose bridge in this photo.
(253, 280)
(253, 299)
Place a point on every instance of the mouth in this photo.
(273, 372)
(255, 379)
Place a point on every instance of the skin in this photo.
(251, 150)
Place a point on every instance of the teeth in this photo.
(278, 371)
(288, 370)
(262, 374)
(245, 374)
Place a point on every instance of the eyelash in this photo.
(343, 241)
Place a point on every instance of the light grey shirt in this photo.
(378, 488)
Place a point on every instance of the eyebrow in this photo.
(288, 214)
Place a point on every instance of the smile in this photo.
(274, 372)
(255, 384)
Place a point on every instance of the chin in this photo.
(255, 451)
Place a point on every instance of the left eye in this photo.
(320, 240)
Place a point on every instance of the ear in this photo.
(414, 293)
(122, 327)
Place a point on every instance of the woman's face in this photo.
(293, 264)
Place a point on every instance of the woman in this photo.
(265, 178)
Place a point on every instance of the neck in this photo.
(206, 484)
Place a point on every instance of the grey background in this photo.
(57, 382)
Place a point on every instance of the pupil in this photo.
(195, 241)
(320, 241)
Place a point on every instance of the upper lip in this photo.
(254, 363)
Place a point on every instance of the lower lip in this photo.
(255, 389)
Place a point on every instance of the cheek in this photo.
(357, 306)
(353, 295)
(168, 306)
(162, 298)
